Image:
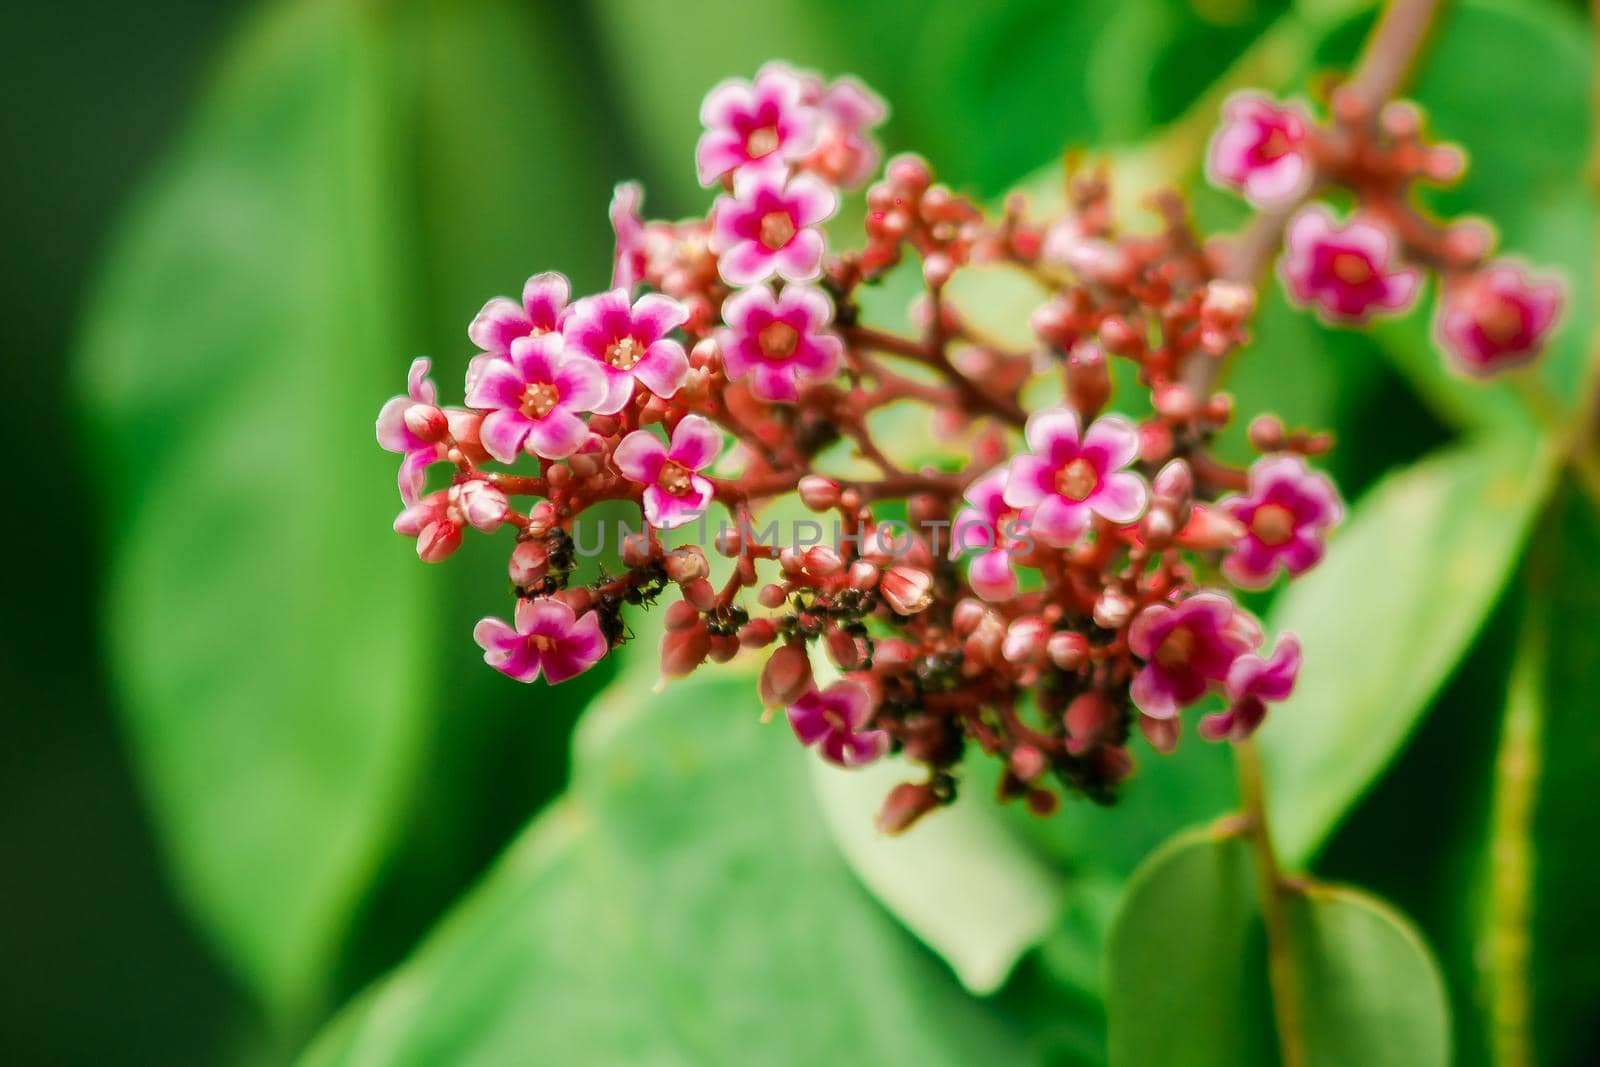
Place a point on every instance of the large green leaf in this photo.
(684, 905)
(1385, 618)
(1186, 970)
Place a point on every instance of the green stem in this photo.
(1282, 977)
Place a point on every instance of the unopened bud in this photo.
(680, 615)
(1027, 762)
(845, 650)
(1088, 380)
(529, 562)
(484, 505)
(819, 493)
(1067, 650)
(1209, 528)
(687, 564)
(823, 562)
(1025, 641)
(905, 804)
(1087, 719)
(541, 519)
(758, 633)
(1113, 609)
(684, 650)
(427, 422)
(438, 541)
(701, 593)
(786, 676)
(907, 589)
(864, 575)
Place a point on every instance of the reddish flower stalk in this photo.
(1069, 581)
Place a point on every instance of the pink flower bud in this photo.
(892, 655)
(438, 541)
(687, 564)
(541, 519)
(680, 615)
(1027, 763)
(529, 562)
(1025, 641)
(863, 575)
(427, 422)
(845, 650)
(758, 633)
(1088, 719)
(1209, 528)
(823, 562)
(819, 493)
(701, 593)
(907, 589)
(772, 596)
(1088, 379)
(684, 650)
(1068, 650)
(905, 804)
(786, 676)
(1113, 609)
(483, 504)
(967, 615)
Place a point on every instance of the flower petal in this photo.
(696, 442)
(503, 432)
(639, 456)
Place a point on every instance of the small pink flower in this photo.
(502, 320)
(777, 340)
(1286, 515)
(675, 493)
(534, 400)
(435, 521)
(1497, 318)
(548, 638)
(1252, 681)
(769, 226)
(986, 524)
(629, 341)
(833, 719)
(412, 426)
(1259, 150)
(628, 265)
(1072, 474)
(746, 123)
(1347, 271)
(845, 154)
(1186, 647)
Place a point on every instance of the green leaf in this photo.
(1186, 969)
(273, 666)
(684, 905)
(1384, 619)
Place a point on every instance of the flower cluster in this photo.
(1068, 582)
(1493, 314)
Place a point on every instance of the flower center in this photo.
(777, 340)
(761, 141)
(1500, 320)
(539, 399)
(1351, 268)
(543, 642)
(1077, 479)
(675, 478)
(1275, 146)
(777, 229)
(1176, 648)
(624, 353)
(835, 720)
(1273, 524)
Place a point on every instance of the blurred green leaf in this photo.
(1385, 618)
(274, 667)
(684, 905)
(1186, 969)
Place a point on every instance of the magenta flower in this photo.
(535, 398)
(1497, 319)
(746, 123)
(1072, 474)
(1252, 681)
(1347, 271)
(629, 341)
(628, 265)
(675, 493)
(1259, 150)
(548, 638)
(777, 340)
(845, 153)
(1186, 647)
(769, 226)
(1286, 514)
(986, 524)
(412, 425)
(833, 719)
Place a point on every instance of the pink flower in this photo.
(1346, 271)
(1286, 514)
(769, 226)
(412, 425)
(534, 400)
(1072, 474)
(777, 340)
(1259, 150)
(629, 341)
(674, 492)
(833, 719)
(1186, 647)
(502, 320)
(986, 523)
(548, 638)
(745, 123)
(1497, 318)
(845, 153)
(628, 265)
(1252, 681)
(435, 521)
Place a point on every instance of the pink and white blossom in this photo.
(1286, 514)
(1072, 475)
(769, 226)
(1252, 681)
(412, 425)
(834, 720)
(549, 638)
(778, 340)
(1187, 647)
(503, 320)
(1259, 150)
(535, 399)
(987, 524)
(845, 153)
(1497, 318)
(629, 341)
(753, 122)
(1347, 272)
(675, 492)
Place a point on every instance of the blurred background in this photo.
(251, 755)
